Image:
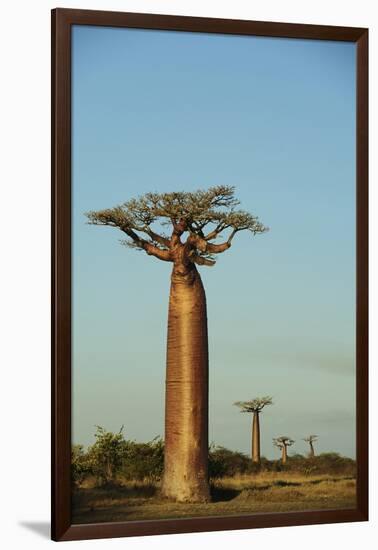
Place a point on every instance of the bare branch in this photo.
(116, 217)
(200, 260)
(213, 234)
(152, 250)
(218, 248)
(164, 241)
(205, 247)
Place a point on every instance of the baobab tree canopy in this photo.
(283, 441)
(310, 438)
(255, 405)
(203, 215)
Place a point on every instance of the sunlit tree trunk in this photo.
(284, 454)
(256, 438)
(186, 402)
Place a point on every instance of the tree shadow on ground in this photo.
(219, 494)
(283, 483)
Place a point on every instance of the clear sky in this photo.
(166, 111)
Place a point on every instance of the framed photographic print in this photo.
(210, 238)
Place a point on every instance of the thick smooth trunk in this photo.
(186, 402)
(284, 454)
(256, 438)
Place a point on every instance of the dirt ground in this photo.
(265, 492)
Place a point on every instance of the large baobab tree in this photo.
(194, 221)
(310, 439)
(255, 406)
(283, 442)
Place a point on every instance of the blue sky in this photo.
(165, 111)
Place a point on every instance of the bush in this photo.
(325, 463)
(80, 464)
(143, 460)
(334, 463)
(223, 462)
(106, 455)
(112, 458)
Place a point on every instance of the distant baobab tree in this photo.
(195, 220)
(283, 442)
(310, 440)
(255, 406)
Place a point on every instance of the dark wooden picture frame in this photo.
(62, 20)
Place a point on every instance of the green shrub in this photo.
(112, 458)
(106, 455)
(325, 463)
(80, 464)
(223, 462)
(143, 460)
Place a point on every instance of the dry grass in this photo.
(263, 492)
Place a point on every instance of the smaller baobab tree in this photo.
(283, 442)
(310, 440)
(255, 406)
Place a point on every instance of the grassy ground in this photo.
(263, 492)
